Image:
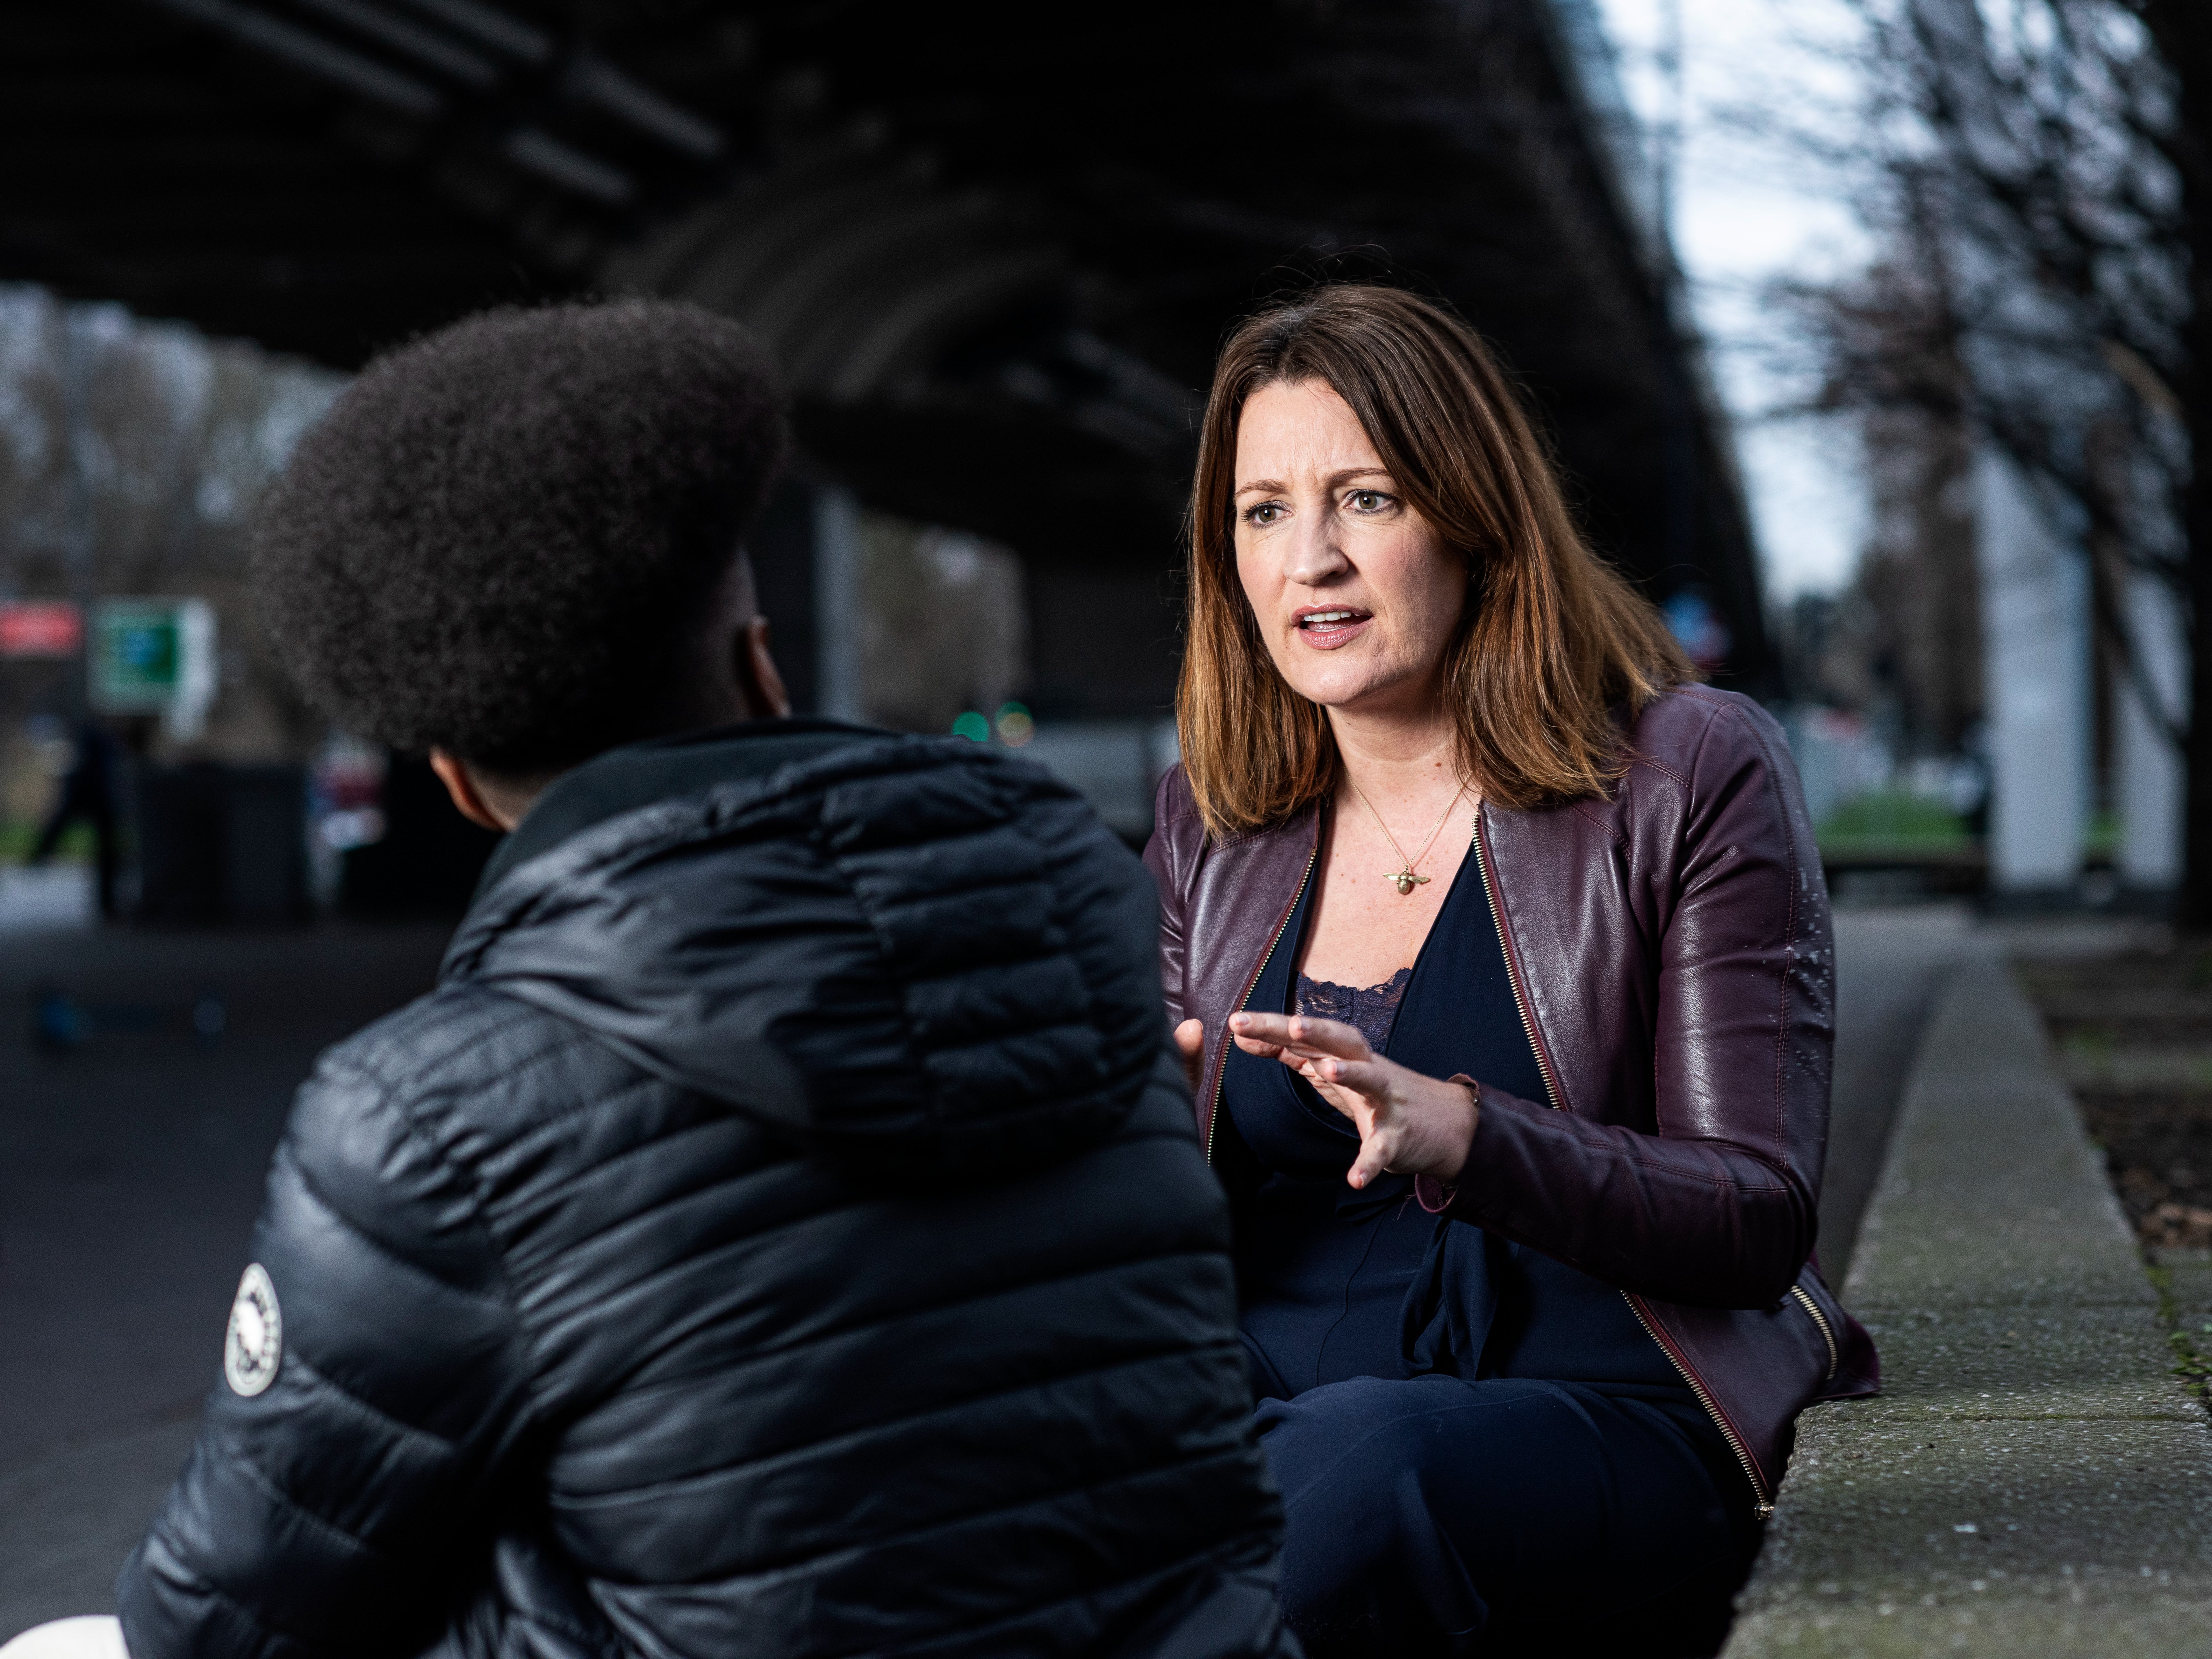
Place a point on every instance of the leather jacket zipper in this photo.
(1221, 1073)
(1763, 1505)
(1762, 1501)
(1821, 1320)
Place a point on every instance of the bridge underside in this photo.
(994, 254)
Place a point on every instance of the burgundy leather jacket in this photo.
(1671, 952)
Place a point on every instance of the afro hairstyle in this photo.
(502, 538)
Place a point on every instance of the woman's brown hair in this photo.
(1553, 642)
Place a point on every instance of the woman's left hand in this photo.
(1408, 1124)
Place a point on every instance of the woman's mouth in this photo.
(1327, 627)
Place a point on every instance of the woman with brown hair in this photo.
(1500, 955)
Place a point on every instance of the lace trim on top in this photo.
(1373, 1009)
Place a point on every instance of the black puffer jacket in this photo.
(780, 1234)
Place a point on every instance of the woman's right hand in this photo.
(1190, 1043)
(1408, 1123)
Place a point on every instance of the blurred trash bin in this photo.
(222, 845)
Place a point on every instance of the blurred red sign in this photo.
(40, 628)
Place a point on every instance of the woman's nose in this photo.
(1314, 555)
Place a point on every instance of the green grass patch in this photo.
(17, 839)
(1893, 818)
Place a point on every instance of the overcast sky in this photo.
(1750, 207)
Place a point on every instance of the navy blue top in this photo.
(1336, 1283)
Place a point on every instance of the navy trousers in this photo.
(1434, 1516)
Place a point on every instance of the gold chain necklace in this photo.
(1403, 875)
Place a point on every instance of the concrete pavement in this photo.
(2031, 1480)
(1891, 963)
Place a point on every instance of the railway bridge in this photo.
(994, 248)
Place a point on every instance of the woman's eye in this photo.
(1266, 513)
(1368, 501)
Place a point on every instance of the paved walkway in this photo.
(1891, 965)
(2032, 1481)
(51, 898)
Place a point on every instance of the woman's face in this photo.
(1355, 593)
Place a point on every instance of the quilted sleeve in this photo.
(338, 1500)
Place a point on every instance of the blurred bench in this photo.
(2034, 1480)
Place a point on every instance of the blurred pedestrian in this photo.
(89, 795)
(781, 1231)
(1521, 940)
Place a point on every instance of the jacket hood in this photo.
(913, 953)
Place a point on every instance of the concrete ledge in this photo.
(2033, 1479)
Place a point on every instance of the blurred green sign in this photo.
(154, 657)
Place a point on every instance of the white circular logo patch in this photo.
(254, 1344)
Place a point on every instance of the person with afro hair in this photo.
(782, 1231)
(515, 545)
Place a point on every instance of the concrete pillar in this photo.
(837, 603)
(2150, 780)
(2035, 622)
